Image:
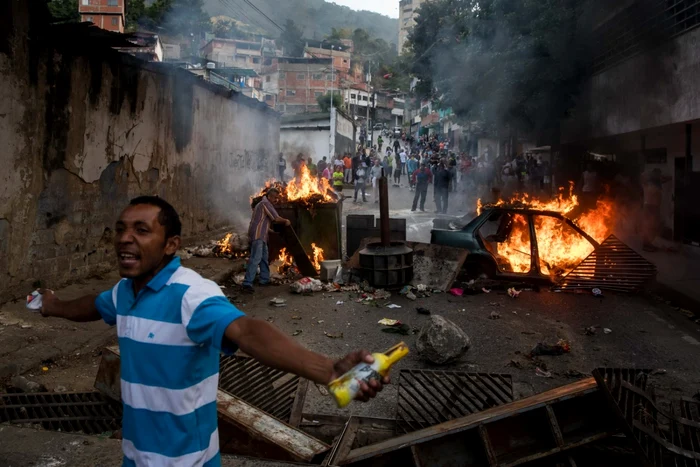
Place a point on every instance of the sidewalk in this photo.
(27, 339)
(678, 276)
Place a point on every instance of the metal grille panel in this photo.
(87, 412)
(660, 438)
(272, 391)
(612, 266)
(427, 397)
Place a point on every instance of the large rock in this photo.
(442, 341)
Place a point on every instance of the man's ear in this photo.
(172, 245)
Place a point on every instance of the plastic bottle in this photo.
(345, 388)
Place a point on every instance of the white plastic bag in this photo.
(307, 284)
(34, 301)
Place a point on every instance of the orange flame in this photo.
(560, 247)
(306, 186)
(316, 256)
(224, 247)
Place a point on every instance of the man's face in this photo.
(274, 198)
(140, 241)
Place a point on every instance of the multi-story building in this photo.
(407, 19)
(106, 14)
(296, 83)
(341, 56)
(238, 53)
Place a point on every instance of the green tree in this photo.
(324, 101)
(64, 10)
(291, 40)
(517, 64)
(135, 14)
(227, 29)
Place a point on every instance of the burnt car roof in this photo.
(520, 209)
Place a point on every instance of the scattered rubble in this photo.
(495, 315)
(441, 341)
(560, 348)
(24, 385)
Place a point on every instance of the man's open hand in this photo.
(342, 366)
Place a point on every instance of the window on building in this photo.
(291, 92)
(268, 97)
(283, 75)
(364, 98)
(329, 76)
(317, 76)
(301, 76)
(267, 62)
(318, 93)
(86, 2)
(345, 60)
(267, 79)
(112, 3)
(256, 60)
(115, 21)
(353, 96)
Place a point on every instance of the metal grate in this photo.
(426, 398)
(660, 438)
(87, 412)
(611, 266)
(272, 391)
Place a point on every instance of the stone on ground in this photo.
(442, 341)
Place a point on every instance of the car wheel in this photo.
(475, 269)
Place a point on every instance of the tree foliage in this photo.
(324, 101)
(228, 29)
(64, 10)
(509, 63)
(291, 40)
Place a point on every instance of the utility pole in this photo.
(332, 76)
(369, 90)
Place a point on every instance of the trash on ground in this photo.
(607, 330)
(574, 374)
(239, 278)
(278, 302)
(34, 301)
(658, 371)
(411, 296)
(320, 321)
(405, 290)
(393, 305)
(590, 331)
(542, 373)
(457, 292)
(495, 315)
(388, 321)
(339, 302)
(338, 335)
(512, 292)
(560, 348)
(306, 285)
(422, 287)
(297, 332)
(422, 311)
(399, 328)
(597, 292)
(485, 290)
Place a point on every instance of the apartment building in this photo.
(407, 15)
(295, 83)
(106, 14)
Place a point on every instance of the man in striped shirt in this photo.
(264, 215)
(172, 324)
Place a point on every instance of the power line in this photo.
(263, 13)
(237, 11)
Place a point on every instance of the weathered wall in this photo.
(344, 134)
(85, 131)
(653, 89)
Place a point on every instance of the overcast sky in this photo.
(385, 7)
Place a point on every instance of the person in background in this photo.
(652, 183)
(589, 188)
(404, 158)
(347, 164)
(281, 167)
(298, 164)
(380, 142)
(264, 215)
(361, 181)
(322, 164)
(172, 326)
(452, 167)
(421, 179)
(388, 164)
(327, 172)
(375, 174)
(338, 178)
(397, 146)
(313, 171)
(397, 169)
(411, 166)
(442, 185)
(356, 163)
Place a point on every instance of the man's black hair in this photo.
(168, 216)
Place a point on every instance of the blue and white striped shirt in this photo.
(170, 335)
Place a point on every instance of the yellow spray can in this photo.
(345, 388)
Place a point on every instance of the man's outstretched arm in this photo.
(81, 309)
(272, 347)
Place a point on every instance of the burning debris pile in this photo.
(560, 247)
(285, 262)
(232, 246)
(305, 190)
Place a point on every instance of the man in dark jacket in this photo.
(442, 186)
(421, 179)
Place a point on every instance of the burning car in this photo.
(528, 238)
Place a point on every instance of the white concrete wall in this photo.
(311, 143)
